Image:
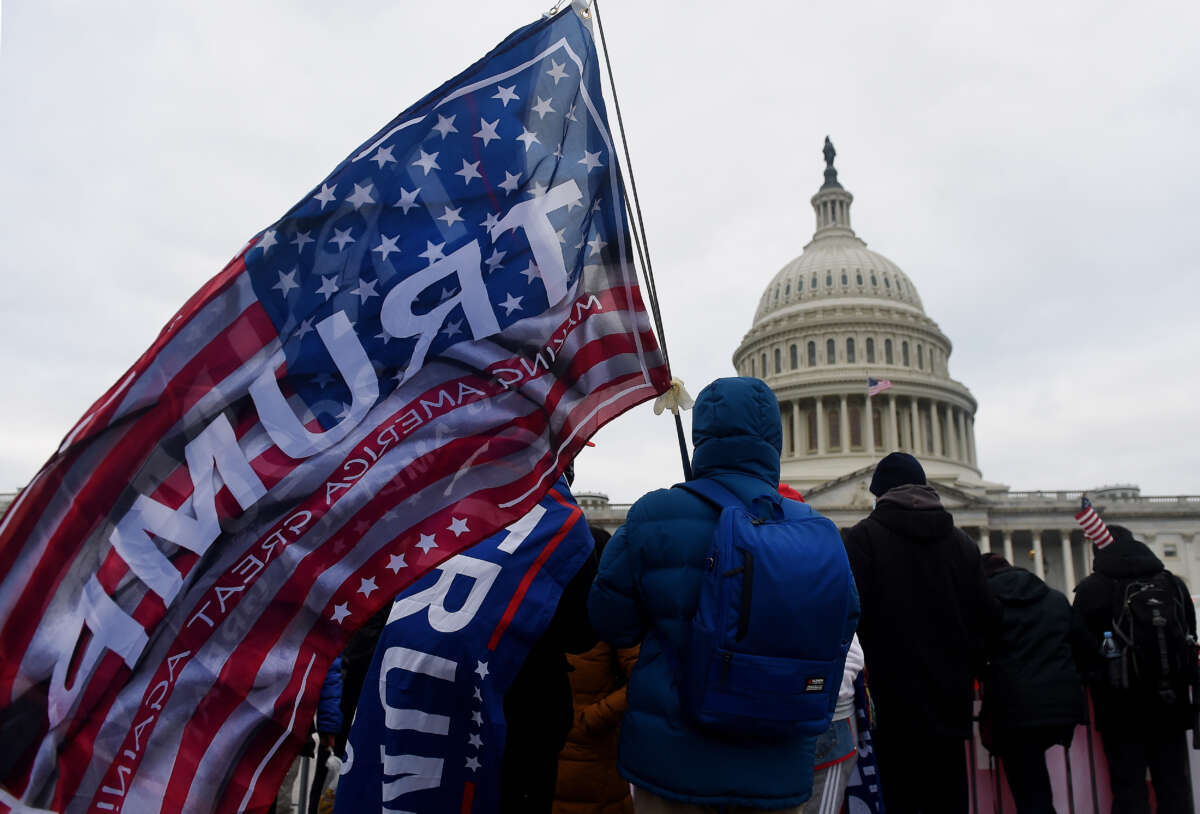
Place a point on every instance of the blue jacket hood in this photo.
(736, 428)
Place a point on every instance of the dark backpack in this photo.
(1150, 626)
(766, 648)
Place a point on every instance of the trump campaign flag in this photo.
(429, 733)
(394, 370)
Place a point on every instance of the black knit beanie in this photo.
(896, 469)
(1120, 533)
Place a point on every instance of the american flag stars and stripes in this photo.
(877, 386)
(397, 368)
(432, 738)
(1093, 527)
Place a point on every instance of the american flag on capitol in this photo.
(877, 386)
(396, 369)
(1093, 527)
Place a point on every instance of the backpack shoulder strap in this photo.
(1120, 612)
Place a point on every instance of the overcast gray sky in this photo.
(1033, 167)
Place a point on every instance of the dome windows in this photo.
(920, 357)
(870, 351)
(778, 361)
(787, 291)
(887, 282)
(903, 355)
(874, 280)
(858, 278)
(814, 281)
(830, 351)
(850, 350)
(795, 357)
(763, 365)
(845, 280)
(829, 279)
(812, 354)
(799, 284)
(777, 293)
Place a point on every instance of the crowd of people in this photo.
(709, 657)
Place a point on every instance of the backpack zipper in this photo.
(747, 595)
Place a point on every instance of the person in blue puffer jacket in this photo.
(647, 590)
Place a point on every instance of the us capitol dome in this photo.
(832, 318)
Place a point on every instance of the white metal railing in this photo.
(1063, 497)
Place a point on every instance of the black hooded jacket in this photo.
(1031, 680)
(926, 612)
(1129, 711)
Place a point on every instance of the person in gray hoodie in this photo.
(927, 616)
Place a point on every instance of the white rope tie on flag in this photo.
(675, 399)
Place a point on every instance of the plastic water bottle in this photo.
(1112, 656)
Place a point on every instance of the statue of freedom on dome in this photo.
(831, 181)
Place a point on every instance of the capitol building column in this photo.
(1068, 561)
(891, 436)
(955, 429)
(914, 443)
(797, 450)
(935, 424)
(822, 440)
(843, 425)
(1039, 565)
(1008, 549)
(869, 418)
(951, 443)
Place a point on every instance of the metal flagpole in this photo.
(640, 240)
(974, 775)
(1092, 754)
(996, 792)
(1070, 779)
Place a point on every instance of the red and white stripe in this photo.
(1093, 527)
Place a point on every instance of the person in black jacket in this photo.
(926, 613)
(1032, 692)
(1139, 728)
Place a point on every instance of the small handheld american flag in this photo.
(1093, 527)
(877, 386)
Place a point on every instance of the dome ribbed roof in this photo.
(836, 267)
(836, 264)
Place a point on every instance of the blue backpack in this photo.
(766, 648)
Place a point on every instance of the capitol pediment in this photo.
(852, 491)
